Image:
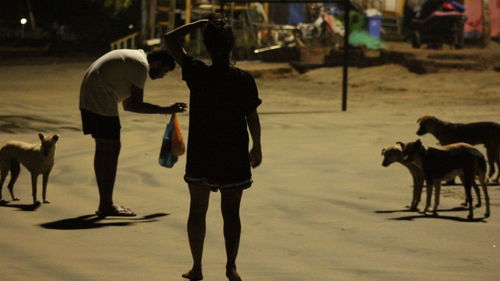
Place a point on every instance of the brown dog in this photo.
(394, 153)
(37, 158)
(437, 163)
(487, 133)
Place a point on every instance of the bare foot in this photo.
(193, 276)
(232, 275)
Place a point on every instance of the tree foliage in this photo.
(117, 7)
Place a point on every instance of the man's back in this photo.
(109, 79)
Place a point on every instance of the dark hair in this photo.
(218, 37)
(163, 57)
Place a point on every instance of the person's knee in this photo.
(230, 209)
(108, 145)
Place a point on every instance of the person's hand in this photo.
(255, 156)
(202, 22)
(177, 107)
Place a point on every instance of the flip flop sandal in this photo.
(121, 212)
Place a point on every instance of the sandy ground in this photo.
(322, 207)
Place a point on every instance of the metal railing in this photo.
(127, 42)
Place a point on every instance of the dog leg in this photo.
(34, 178)
(15, 169)
(482, 180)
(429, 196)
(414, 195)
(436, 197)
(478, 193)
(3, 175)
(44, 192)
(468, 195)
(417, 192)
(497, 160)
(492, 156)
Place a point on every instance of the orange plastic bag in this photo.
(178, 146)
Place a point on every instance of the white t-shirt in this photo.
(109, 80)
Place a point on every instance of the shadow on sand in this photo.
(421, 215)
(94, 221)
(21, 207)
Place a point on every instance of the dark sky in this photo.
(91, 26)
(67, 12)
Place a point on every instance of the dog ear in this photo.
(55, 138)
(41, 136)
(418, 143)
(383, 151)
(401, 144)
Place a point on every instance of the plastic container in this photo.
(374, 24)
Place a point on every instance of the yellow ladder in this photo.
(127, 42)
(165, 16)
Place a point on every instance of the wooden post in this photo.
(188, 18)
(346, 54)
(486, 22)
(153, 7)
(32, 16)
(144, 20)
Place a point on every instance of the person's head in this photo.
(218, 39)
(160, 62)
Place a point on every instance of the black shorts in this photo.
(99, 126)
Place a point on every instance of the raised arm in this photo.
(174, 38)
(254, 128)
(135, 103)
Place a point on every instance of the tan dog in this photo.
(437, 163)
(37, 158)
(394, 154)
(487, 133)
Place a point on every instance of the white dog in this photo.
(37, 158)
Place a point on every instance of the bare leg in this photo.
(196, 227)
(230, 207)
(105, 165)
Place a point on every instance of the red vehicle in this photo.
(445, 25)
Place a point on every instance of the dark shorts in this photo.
(99, 126)
(204, 183)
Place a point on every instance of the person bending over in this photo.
(117, 77)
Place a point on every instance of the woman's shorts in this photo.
(204, 183)
(99, 126)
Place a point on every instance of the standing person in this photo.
(223, 102)
(118, 76)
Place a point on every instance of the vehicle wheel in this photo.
(416, 39)
(459, 38)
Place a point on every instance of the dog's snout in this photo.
(421, 131)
